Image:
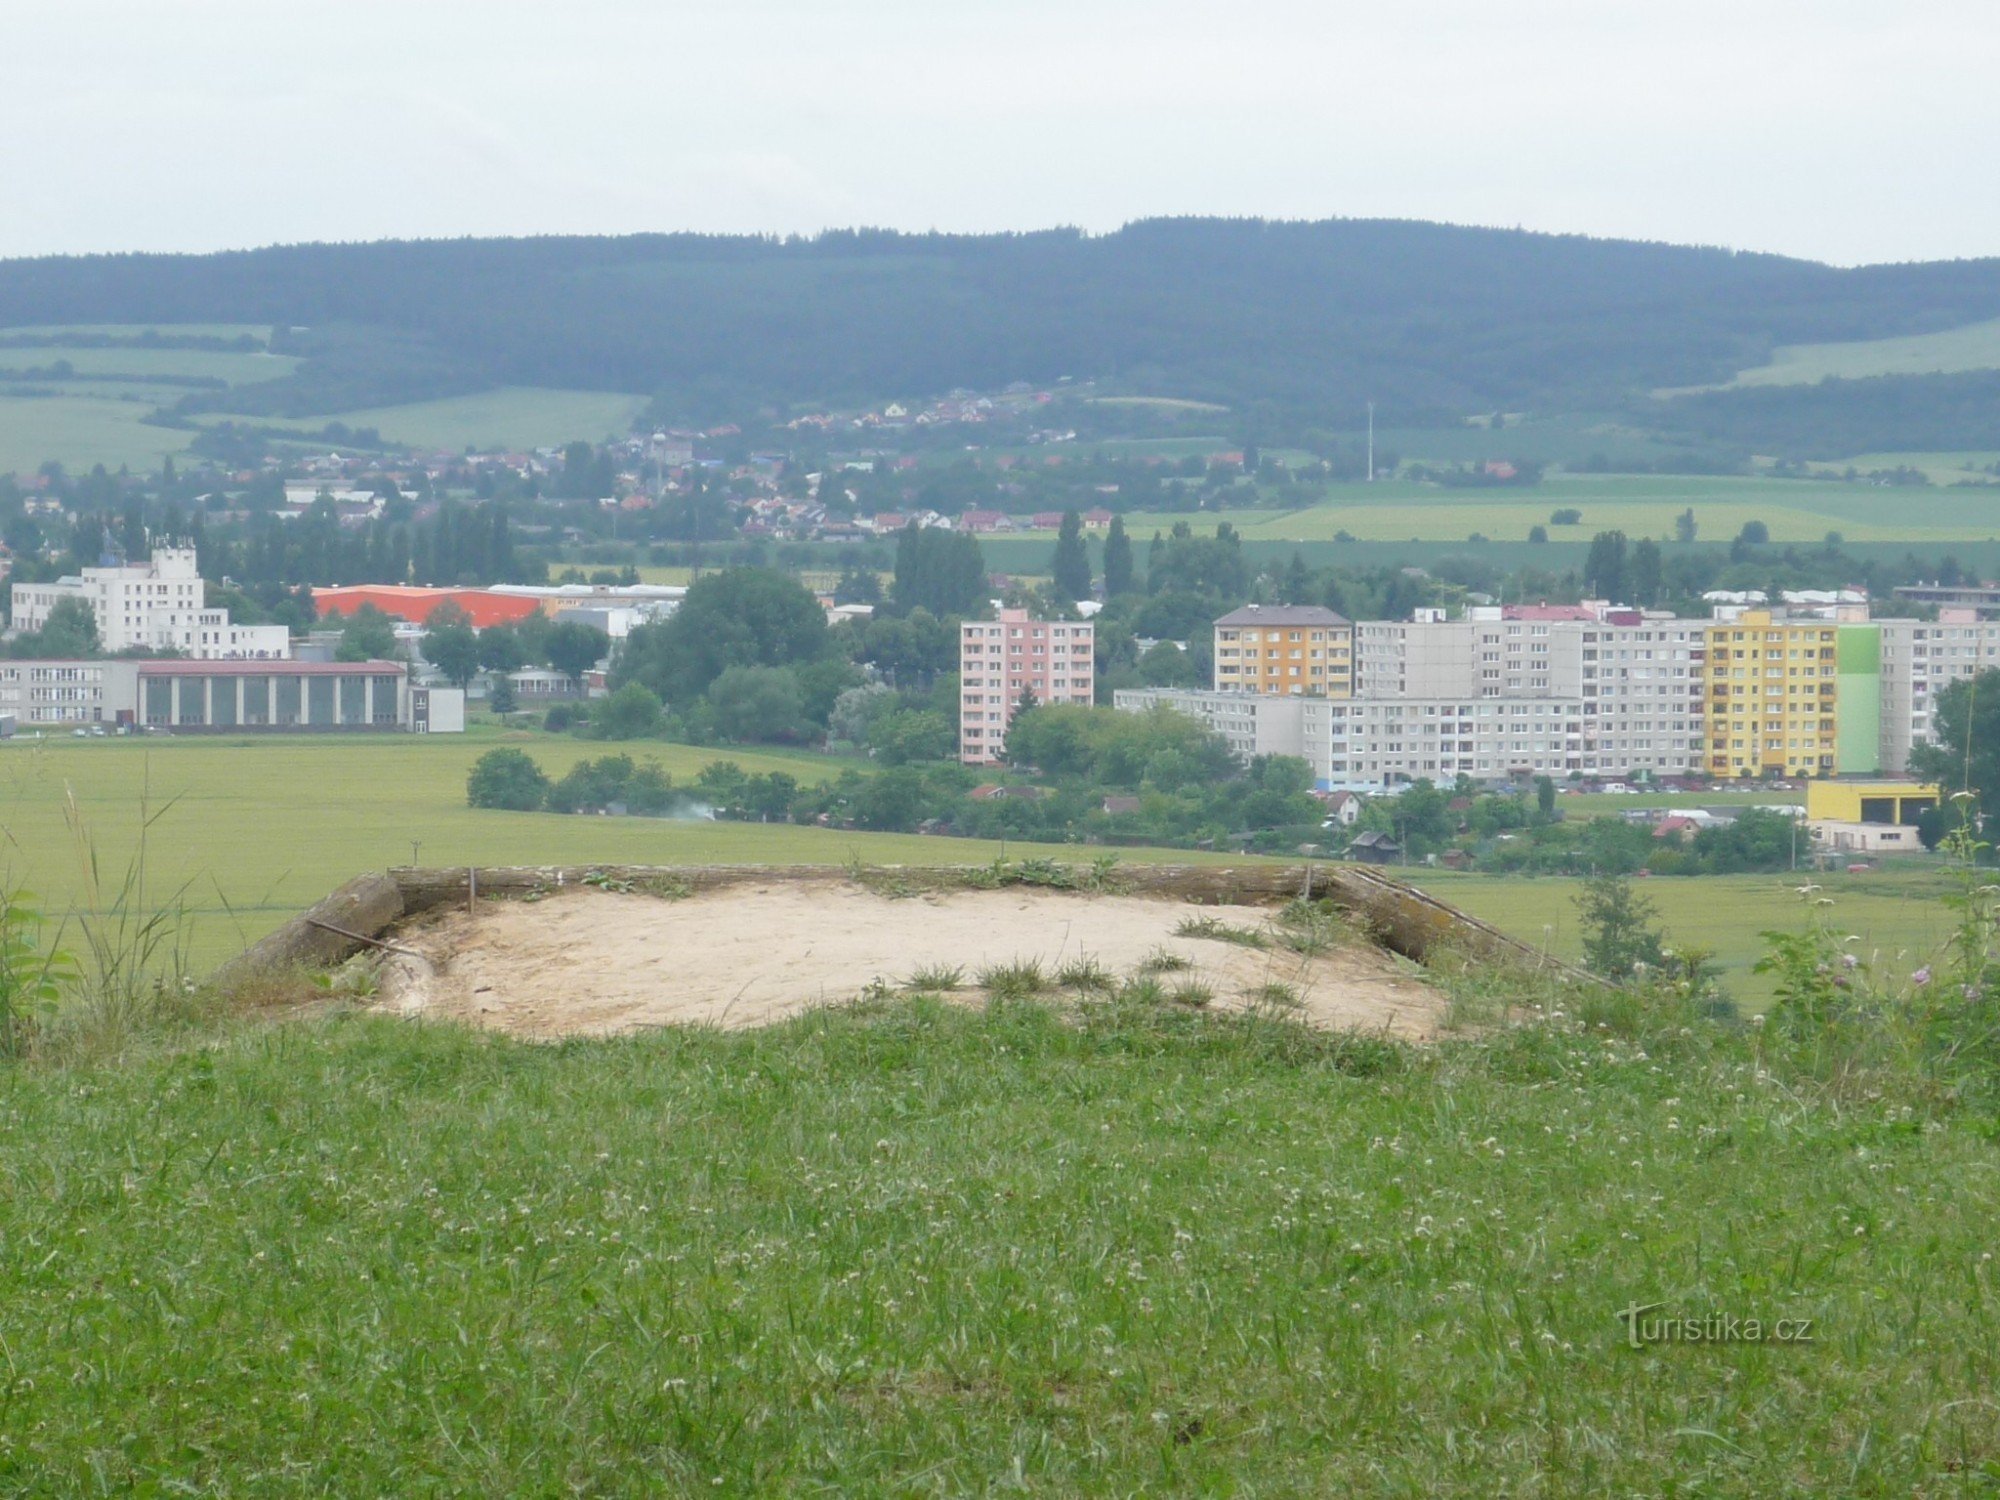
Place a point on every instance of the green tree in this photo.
(630, 713)
(1964, 750)
(574, 648)
(507, 778)
(451, 644)
(1069, 570)
(1117, 560)
(1648, 573)
(938, 570)
(1754, 533)
(1604, 569)
(368, 635)
(910, 735)
(1684, 526)
(1545, 797)
(502, 700)
(69, 633)
(758, 704)
(1617, 931)
(500, 649)
(739, 617)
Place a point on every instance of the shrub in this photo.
(508, 779)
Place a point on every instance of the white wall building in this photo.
(160, 605)
(37, 694)
(1919, 660)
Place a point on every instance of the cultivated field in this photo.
(1640, 506)
(82, 430)
(514, 418)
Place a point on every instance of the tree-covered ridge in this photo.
(1289, 319)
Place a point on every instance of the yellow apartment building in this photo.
(1291, 650)
(1771, 691)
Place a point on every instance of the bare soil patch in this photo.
(591, 962)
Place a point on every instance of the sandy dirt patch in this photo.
(589, 962)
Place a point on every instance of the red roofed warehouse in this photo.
(401, 602)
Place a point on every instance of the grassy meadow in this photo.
(1898, 915)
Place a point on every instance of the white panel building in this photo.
(1919, 660)
(160, 605)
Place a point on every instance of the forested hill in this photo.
(1292, 318)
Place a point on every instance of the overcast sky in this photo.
(1844, 130)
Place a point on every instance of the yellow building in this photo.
(1298, 651)
(1771, 691)
(1898, 802)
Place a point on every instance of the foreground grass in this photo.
(917, 1249)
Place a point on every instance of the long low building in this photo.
(226, 697)
(1363, 742)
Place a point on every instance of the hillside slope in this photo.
(1303, 321)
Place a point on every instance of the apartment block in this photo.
(1772, 696)
(1383, 742)
(45, 694)
(1287, 650)
(1916, 661)
(1641, 685)
(160, 605)
(1000, 660)
(1254, 724)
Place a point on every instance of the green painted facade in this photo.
(1857, 736)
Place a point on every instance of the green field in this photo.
(255, 830)
(92, 420)
(1976, 346)
(80, 431)
(1640, 506)
(231, 366)
(512, 418)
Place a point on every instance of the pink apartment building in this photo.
(1000, 659)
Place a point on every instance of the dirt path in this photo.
(594, 962)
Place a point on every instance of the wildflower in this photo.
(1922, 976)
(1849, 961)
